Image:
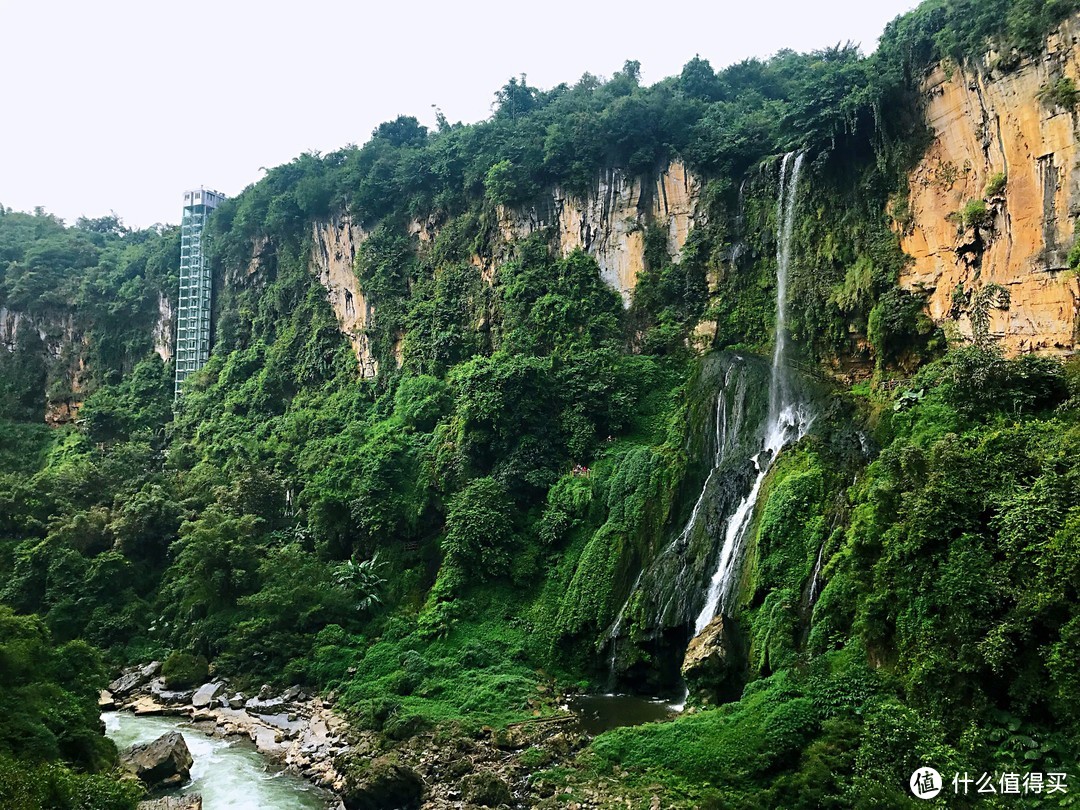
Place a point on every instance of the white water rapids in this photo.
(229, 774)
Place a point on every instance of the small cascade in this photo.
(727, 425)
(728, 420)
(739, 249)
(787, 419)
(815, 577)
(616, 627)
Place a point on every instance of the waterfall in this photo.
(815, 576)
(787, 418)
(739, 249)
(727, 428)
(616, 627)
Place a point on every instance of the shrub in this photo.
(995, 185)
(182, 670)
(979, 381)
(32, 785)
(975, 214)
(1074, 257)
(1062, 93)
(478, 529)
(421, 401)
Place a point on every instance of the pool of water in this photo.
(599, 713)
(230, 774)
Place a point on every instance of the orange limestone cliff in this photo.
(609, 224)
(1007, 139)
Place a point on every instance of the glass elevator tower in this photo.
(193, 313)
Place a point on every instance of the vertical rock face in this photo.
(987, 121)
(165, 329)
(335, 243)
(610, 223)
(64, 346)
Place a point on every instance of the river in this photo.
(230, 774)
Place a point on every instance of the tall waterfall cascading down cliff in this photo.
(749, 410)
(787, 419)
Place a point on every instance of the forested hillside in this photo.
(517, 484)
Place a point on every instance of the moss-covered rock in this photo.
(485, 789)
(380, 783)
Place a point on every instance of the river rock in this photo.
(176, 697)
(145, 706)
(380, 784)
(268, 706)
(192, 801)
(485, 789)
(714, 661)
(207, 694)
(105, 701)
(132, 679)
(161, 764)
(237, 701)
(171, 697)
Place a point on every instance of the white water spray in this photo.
(815, 576)
(727, 427)
(787, 418)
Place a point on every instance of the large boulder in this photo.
(171, 697)
(190, 802)
(485, 789)
(132, 679)
(381, 783)
(715, 662)
(207, 694)
(161, 764)
(265, 706)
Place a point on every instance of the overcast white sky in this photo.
(114, 105)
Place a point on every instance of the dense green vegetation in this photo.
(48, 697)
(943, 631)
(88, 299)
(425, 543)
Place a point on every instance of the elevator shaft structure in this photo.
(193, 312)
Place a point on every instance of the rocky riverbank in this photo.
(447, 768)
(292, 728)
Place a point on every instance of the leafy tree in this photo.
(479, 530)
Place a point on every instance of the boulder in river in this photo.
(161, 764)
(171, 697)
(207, 694)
